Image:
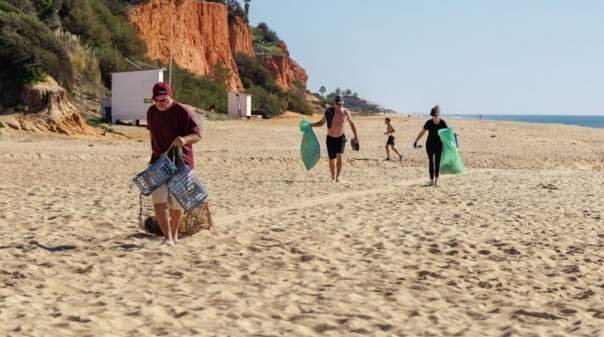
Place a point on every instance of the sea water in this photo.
(587, 121)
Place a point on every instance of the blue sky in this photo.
(470, 57)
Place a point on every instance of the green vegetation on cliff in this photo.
(266, 40)
(81, 42)
(29, 48)
(28, 51)
(268, 97)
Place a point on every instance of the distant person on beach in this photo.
(390, 142)
(335, 117)
(170, 124)
(434, 146)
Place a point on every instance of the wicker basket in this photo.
(155, 175)
(187, 189)
(191, 223)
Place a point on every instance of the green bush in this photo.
(28, 51)
(221, 73)
(297, 103)
(79, 18)
(267, 96)
(264, 34)
(47, 12)
(266, 41)
(251, 70)
(198, 91)
(263, 100)
(123, 35)
(17, 5)
(112, 37)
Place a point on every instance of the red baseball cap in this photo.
(161, 90)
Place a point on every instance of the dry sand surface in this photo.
(515, 247)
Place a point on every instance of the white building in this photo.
(131, 94)
(239, 104)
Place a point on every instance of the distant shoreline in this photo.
(596, 122)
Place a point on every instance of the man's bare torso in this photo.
(337, 123)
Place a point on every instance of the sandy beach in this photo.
(514, 247)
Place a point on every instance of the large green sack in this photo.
(310, 148)
(450, 162)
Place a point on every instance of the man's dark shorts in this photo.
(335, 146)
(390, 140)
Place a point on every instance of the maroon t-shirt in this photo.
(165, 126)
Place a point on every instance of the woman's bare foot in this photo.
(167, 243)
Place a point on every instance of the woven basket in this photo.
(191, 223)
(187, 189)
(155, 175)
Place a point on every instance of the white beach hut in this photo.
(131, 93)
(239, 104)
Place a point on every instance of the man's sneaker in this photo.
(387, 159)
(400, 157)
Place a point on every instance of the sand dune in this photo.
(514, 247)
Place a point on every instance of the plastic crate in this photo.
(187, 189)
(155, 175)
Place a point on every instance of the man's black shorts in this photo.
(335, 145)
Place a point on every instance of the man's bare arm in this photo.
(319, 123)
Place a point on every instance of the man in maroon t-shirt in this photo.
(170, 124)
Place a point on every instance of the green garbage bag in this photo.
(450, 162)
(310, 148)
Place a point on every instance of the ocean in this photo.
(587, 121)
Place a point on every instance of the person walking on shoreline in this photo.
(335, 117)
(434, 146)
(170, 124)
(390, 142)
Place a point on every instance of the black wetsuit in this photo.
(434, 146)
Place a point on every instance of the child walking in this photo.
(390, 142)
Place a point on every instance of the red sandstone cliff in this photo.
(241, 37)
(284, 69)
(200, 39)
(203, 37)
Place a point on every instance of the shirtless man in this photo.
(336, 140)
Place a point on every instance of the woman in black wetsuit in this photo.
(434, 147)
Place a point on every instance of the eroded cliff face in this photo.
(284, 69)
(203, 37)
(49, 111)
(200, 37)
(241, 37)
